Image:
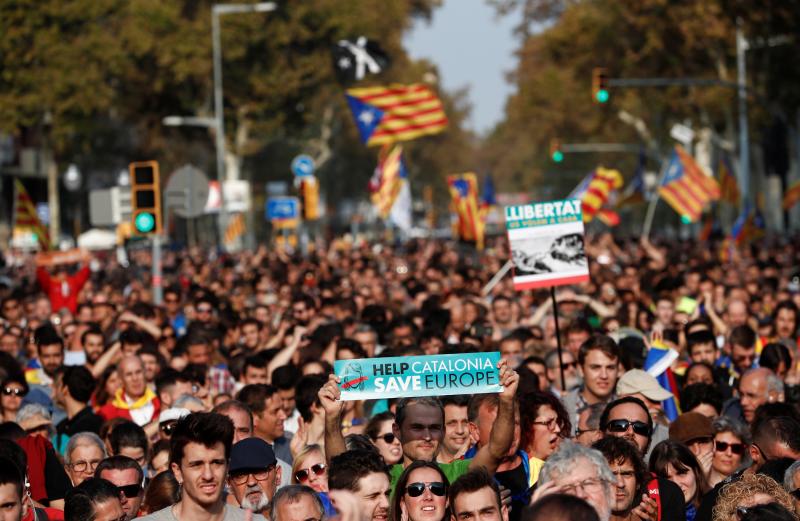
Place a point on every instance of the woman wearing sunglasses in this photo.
(13, 389)
(731, 440)
(379, 430)
(421, 494)
(309, 469)
(674, 461)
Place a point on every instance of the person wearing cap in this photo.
(253, 474)
(644, 386)
(167, 420)
(696, 432)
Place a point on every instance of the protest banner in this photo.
(546, 241)
(434, 375)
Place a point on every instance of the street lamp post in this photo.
(216, 11)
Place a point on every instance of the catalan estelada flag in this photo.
(792, 196)
(729, 188)
(658, 363)
(25, 216)
(685, 187)
(595, 190)
(464, 193)
(388, 179)
(396, 113)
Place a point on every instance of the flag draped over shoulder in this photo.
(729, 188)
(388, 179)
(792, 196)
(386, 114)
(685, 187)
(464, 193)
(594, 192)
(25, 216)
(658, 362)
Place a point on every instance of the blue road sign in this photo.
(303, 165)
(279, 208)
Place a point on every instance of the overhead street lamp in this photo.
(216, 11)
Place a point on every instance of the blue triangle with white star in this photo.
(367, 117)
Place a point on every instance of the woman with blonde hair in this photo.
(309, 469)
(750, 490)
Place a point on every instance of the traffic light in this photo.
(556, 153)
(145, 197)
(600, 92)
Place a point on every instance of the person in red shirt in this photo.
(62, 288)
(134, 401)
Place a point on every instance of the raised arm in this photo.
(502, 434)
(329, 396)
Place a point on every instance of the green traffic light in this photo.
(558, 156)
(602, 95)
(145, 222)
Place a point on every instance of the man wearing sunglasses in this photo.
(629, 418)
(95, 499)
(253, 474)
(167, 420)
(125, 474)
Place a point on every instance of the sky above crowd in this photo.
(473, 48)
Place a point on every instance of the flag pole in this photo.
(651, 209)
(497, 277)
(558, 338)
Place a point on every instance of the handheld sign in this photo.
(434, 375)
(546, 242)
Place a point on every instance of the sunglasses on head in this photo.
(437, 488)
(736, 448)
(388, 437)
(168, 427)
(618, 426)
(303, 475)
(8, 391)
(129, 490)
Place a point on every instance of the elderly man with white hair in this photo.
(791, 482)
(135, 400)
(578, 471)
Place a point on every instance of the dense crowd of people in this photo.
(219, 402)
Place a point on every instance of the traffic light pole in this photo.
(158, 289)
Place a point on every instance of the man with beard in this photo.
(199, 454)
(571, 377)
(93, 344)
(629, 418)
(629, 499)
(364, 474)
(50, 354)
(253, 474)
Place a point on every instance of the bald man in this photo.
(134, 401)
(757, 387)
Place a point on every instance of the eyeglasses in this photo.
(437, 488)
(8, 391)
(168, 427)
(589, 486)
(262, 475)
(617, 426)
(578, 431)
(204, 310)
(736, 448)
(303, 475)
(129, 491)
(83, 466)
(550, 424)
(388, 438)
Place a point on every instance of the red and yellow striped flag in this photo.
(235, 229)
(464, 191)
(686, 187)
(25, 216)
(792, 196)
(396, 112)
